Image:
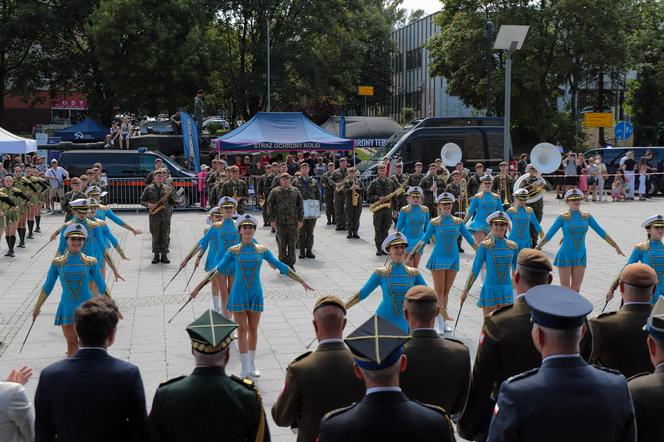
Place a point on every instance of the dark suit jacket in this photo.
(438, 371)
(564, 400)
(648, 397)
(317, 383)
(90, 396)
(386, 417)
(619, 341)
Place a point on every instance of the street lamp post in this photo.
(510, 38)
(269, 92)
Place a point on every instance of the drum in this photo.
(311, 209)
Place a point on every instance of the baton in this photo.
(190, 278)
(181, 308)
(457, 319)
(604, 308)
(42, 248)
(169, 282)
(26, 336)
(311, 343)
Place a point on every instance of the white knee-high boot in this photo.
(254, 372)
(246, 365)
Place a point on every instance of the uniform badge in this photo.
(482, 335)
(496, 409)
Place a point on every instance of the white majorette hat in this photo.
(522, 194)
(445, 197)
(487, 176)
(80, 205)
(215, 211)
(95, 190)
(227, 201)
(76, 230)
(653, 221)
(246, 219)
(94, 202)
(573, 194)
(499, 216)
(415, 191)
(393, 239)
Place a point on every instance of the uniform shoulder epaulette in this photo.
(261, 248)
(435, 221)
(432, 407)
(511, 244)
(529, 209)
(302, 356)
(89, 260)
(455, 341)
(383, 271)
(235, 249)
(60, 260)
(511, 210)
(501, 309)
(457, 220)
(338, 411)
(217, 225)
(638, 375)
(171, 381)
(585, 215)
(425, 209)
(566, 214)
(495, 195)
(525, 374)
(102, 207)
(68, 223)
(488, 243)
(412, 271)
(609, 370)
(645, 245)
(406, 209)
(247, 383)
(479, 194)
(605, 314)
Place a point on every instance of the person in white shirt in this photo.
(56, 175)
(17, 417)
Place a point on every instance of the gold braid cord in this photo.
(41, 299)
(355, 299)
(418, 247)
(294, 276)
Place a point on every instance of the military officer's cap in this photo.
(326, 300)
(76, 230)
(284, 175)
(211, 332)
(573, 194)
(535, 259)
(639, 275)
(415, 191)
(246, 219)
(216, 211)
(376, 344)
(95, 190)
(499, 217)
(421, 293)
(655, 324)
(445, 198)
(487, 177)
(227, 201)
(653, 221)
(521, 194)
(80, 205)
(557, 307)
(394, 239)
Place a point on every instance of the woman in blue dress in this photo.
(75, 270)
(444, 259)
(483, 204)
(522, 218)
(498, 254)
(649, 252)
(413, 221)
(571, 257)
(104, 212)
(218, 238)
(246, 296)
(394, 281)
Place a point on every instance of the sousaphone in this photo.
(451, 154)
(546, 158)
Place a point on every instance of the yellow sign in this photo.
(598, 119)
(365, 90)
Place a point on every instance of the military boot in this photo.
(310, 254)
(164, 259)
(302, 255)
(156, 259)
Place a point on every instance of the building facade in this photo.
(412, 85)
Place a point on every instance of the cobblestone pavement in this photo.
(162, 350)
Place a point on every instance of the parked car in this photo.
(213, 124)
(612, 158)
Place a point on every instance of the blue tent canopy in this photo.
(85, 131)
(280, 131)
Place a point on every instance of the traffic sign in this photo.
(365, 90)
(624, 130)
(598, 119)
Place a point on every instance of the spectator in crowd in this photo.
(91, 396)
(650, 155)
(569, 165)
(293, 166)
(522, 163)
(56, 176)
(601, 178)
(114, 133)
(176, 123)
(3, 171)
(199, 108)
(202, 190)
(583, 183)
(245, 167)
(618, 186)
(158, 164)
(125, 133)
(320, 167)
(594, 172)
(17, 419)
(643, 173)
(109, 142)
(41, 165)
(629, 167)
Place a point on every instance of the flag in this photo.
(190, 139)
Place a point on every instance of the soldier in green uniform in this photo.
(415, 178)
(74, 194)
(263, 190)
(235, 188)
(286, 212)
(378, 189)
(503, 184)
(432, 185)
(538, 206)
(211, 182)
(401, 180)
(328, 187)
(208, 405)
(474, 180)
(309, 190)
(159, 197)
(282, 168)
(352, 191)
(320, 381)
(338, 176)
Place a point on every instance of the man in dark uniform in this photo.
(320, 381)
(385, 413)
(208, 405)
(309, 190)
(505, 346)
(438, 370)
(415, 178)
(328, 186)
(648, 389)
(474, 181)
(378, 189)
(352, 191)
(235, 188)
(565, 399)
(263, 191)
(619, 341)
(537, 206)
(286, 211)
(433, 186)
(503, 184)
(401, 180)
(160, 197)
(338, 176)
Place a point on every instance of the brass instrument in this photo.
(463, 196)
(435, 186)
(376, 206)
(261, 200)
(546, 159)
(355, 196)
(504, 189)
(161, 204)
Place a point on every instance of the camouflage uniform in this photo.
(338, 176)
(400, 180)
(160, 222)
(309, 190)
(415, 179)
(351, 213)
(215, 192)
(474, 184)
(382, 219)
(235, 189)
(264, 188)
(328, 186)
(285, 208)
(68, 198)
(503, 189)
(429, 199)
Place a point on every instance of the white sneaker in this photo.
(255, 373)
(447, 328)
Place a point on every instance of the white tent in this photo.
(10, 143)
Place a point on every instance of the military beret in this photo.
(343, 159)
(421, 293)
(159, 171)
(419, 163)
(535, 259)
(639, 275)
(433, 165)
(352, 169)
(326, 300)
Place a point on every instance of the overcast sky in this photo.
(429, 6)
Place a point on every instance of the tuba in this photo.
(546, 158)
(451, 154)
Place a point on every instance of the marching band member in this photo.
(103, 212)
(531, 183)
(413, 221)
(444, 259)
(522, 217)
(483, 204)
(13, 214)
(394, 280)
(499, 256)
(571, 257)
(649, 252)
(246, 296)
